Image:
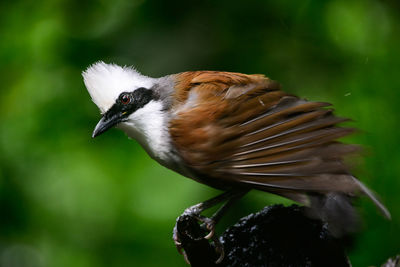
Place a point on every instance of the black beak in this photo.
(107, 121)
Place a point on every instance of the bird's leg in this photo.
(200, 207)
(214, 220)
(209, 223)
(195, 210)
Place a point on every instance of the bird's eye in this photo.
(125, 99)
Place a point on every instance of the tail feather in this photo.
(337, 211)
(385, 212)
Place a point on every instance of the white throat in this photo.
(148, 126)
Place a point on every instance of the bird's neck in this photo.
(149, 126)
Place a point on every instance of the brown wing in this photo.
(232, 129)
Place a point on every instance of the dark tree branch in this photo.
(275, 236)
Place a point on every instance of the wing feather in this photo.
(243, 130)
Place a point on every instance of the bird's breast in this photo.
(149, 126)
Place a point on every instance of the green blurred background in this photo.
(69, 200)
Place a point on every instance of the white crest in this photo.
(105, 82)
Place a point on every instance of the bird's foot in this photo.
(191, 225)
(207, 224)
(178, 244)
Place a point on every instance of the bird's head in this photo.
(118, 92)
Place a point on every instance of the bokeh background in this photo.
(69, 200)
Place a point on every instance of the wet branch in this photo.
(274, 236)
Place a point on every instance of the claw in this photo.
(177, 241)
(219, 248)
(208, 224)
(210, 234)
(178, 246)
(185, 257)
(221, 257)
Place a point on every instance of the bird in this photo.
(236, 133)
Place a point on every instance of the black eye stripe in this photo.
(129, 102)
(143, 95)
(123, 108)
